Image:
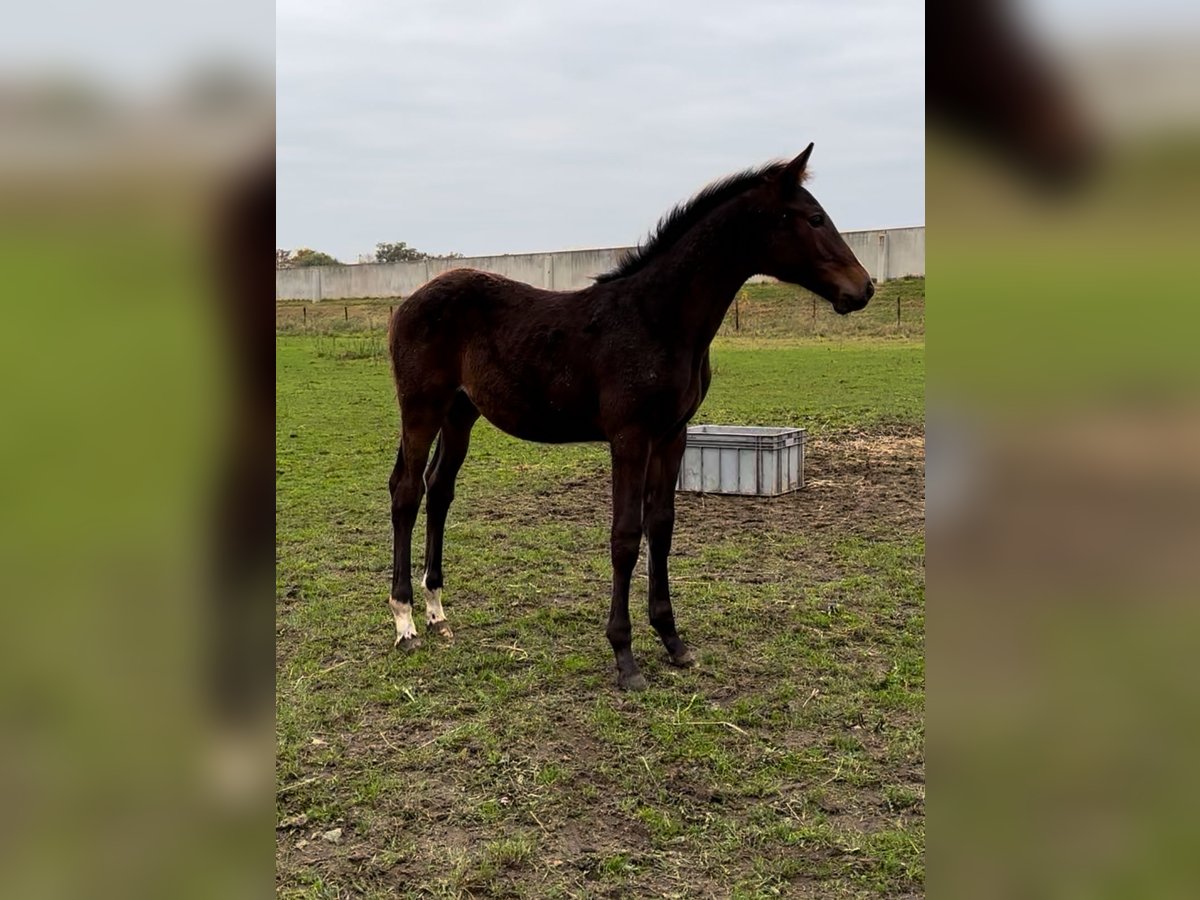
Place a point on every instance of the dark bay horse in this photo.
(624, 361)
(990, 81)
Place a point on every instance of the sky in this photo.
(490, 126)
(498, 126)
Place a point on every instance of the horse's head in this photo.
(993, 84)
(802, 245)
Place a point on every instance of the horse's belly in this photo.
(552, 433)
(545, 429)
(545, 422)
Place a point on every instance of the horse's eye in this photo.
(816, 221)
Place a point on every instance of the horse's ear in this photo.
(794, 172)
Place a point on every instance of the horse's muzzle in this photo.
(848, 303)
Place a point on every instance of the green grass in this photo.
(822, 386)
(505, 763)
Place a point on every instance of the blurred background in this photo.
(136, 221)
(1063, 469)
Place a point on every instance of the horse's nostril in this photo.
(869, 292)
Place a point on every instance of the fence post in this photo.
(304, 309)
(897, 311)
(346, 310)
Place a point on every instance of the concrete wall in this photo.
(886, 253)
(889, 252)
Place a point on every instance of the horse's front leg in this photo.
(629, 455)
(661, 477)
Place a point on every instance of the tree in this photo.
(306, 257)
(283, 258)
(401, 252)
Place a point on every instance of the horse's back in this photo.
(456, 299)
(461, 308)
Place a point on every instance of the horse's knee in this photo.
(406, 501)
(662, 616)
(658, 517)
(619, 634)
(625, 546)
(439, 495)
(659, 539)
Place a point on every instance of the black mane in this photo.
(672, 226)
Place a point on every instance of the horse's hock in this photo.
(740, 459)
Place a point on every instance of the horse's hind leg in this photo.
(420, 423)
(661, 477)
(630, 455)
(452, 448)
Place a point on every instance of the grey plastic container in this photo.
(749, 460)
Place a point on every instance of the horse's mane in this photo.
(676, 223)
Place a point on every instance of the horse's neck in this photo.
(699, 279)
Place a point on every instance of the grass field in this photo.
(505, 763)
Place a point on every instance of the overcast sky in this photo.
(488, 126)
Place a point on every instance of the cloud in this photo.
(502, 127)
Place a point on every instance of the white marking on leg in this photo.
(433, 602)
(433, 606)
(402, 613)
(434, 614)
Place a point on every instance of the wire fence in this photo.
(783, 311)
(759, 311)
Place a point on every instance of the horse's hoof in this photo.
(684, 660)
(442, 628)
(635, 682)
(408, 644)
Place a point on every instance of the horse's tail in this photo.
(391, 339)
(434, 458)
(397, 470)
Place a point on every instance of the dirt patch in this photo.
(865, 482)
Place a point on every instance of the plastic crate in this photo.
(748, 460)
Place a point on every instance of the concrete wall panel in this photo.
(885, 253)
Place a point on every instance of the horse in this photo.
(990, 82)
(624, 361)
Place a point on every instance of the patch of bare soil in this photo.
(861, 483)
